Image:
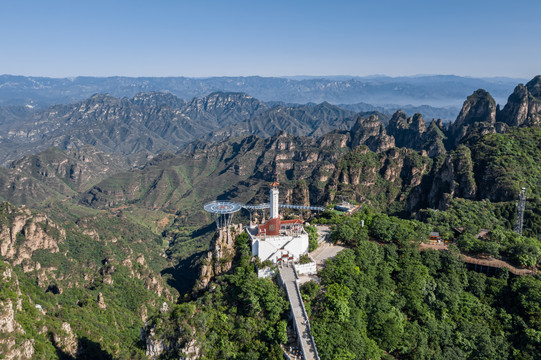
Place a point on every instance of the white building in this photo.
(278, 240)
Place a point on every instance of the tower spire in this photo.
(275, 182)
(274, 195)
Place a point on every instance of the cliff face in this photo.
(13, 345)
(22, 233)
(53, 173)
(178, 339)
(220, 256)
(378, 179)
(408, 132)
(477, 118)
(523, 107)
(412, 133)
(452, 178)
(480, 165)
(433, 139)
(371, 132)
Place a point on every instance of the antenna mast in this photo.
(521, 205)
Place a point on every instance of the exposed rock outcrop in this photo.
(412, 133)
(13, 345)
(365, 176)
(22, 233)
(407, 131)
(220, 256)
(450, 177)
(523, 106)
(433, 139)
(372, 133)
(454, 178)
(66, 340)
(101, 301)
(178, 342)
(477, 118)
(158, 344)
(140, 271)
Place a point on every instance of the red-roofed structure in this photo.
(277, 239)
(275, 227)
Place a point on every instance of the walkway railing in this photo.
(289, 279)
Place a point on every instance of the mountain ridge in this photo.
(417, 90)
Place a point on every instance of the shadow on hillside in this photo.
(204, 230)
(87, 350)
(184, 275)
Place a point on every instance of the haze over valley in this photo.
(174, 186)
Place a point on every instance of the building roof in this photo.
(292, 221)
(272, 227)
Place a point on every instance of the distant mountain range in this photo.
(113, 230)
(151, 123)
(229, 144)
(434, 90)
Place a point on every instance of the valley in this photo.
(103, 225)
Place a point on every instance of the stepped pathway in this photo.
(495, 263)
(300, 319)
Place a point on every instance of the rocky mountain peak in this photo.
(100, 99)
(399, 119)
(371, 132)
(327, 109)
(477, 117)
(478, 107)
(523, 106)
(407, 131)
(220, 257)
(158, 99)
(220, 99)
(534, 86)
(418, 123)
(220, 109)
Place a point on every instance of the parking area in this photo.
(325, 251)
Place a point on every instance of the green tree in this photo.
(312, 237)
(337, 299)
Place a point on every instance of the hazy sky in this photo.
(269, 38)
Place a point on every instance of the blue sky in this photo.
(269, 38)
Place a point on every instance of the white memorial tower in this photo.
(274, 192)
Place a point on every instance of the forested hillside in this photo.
(78, 288)
(104, 235)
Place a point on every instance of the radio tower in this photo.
(521, 205)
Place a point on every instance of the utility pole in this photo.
(521, 205)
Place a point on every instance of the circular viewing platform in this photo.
(222, 207)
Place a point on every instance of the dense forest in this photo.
(387, 299)
(381, 298)
(110, 256)
(241, 316)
